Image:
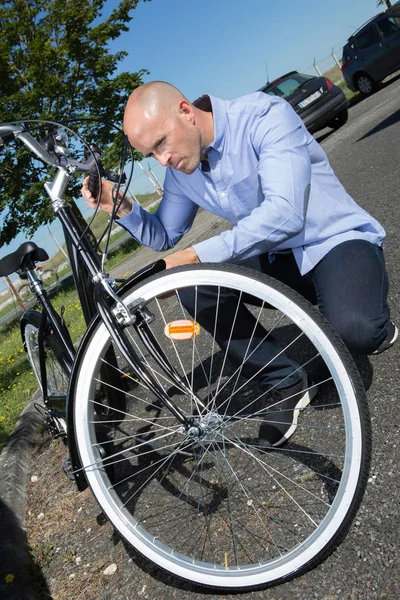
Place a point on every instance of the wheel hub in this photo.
(207, 428)
(364, 85)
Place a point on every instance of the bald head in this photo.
(160, 122)
(153, 97)
(148, 103)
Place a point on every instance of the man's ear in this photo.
(186, 109)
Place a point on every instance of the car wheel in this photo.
(340, 120)
(365, 84)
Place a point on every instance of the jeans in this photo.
(349, 285)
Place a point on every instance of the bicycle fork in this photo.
(138, 318)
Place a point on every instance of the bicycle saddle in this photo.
(14, 261)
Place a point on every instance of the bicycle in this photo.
(164, 429)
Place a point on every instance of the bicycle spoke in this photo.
(250, 501)
(168, 458)
(269, 390)
(266, 467)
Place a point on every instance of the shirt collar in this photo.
(215, 105)
(219, 118)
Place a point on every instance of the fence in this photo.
(330, 64)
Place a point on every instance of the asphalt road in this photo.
(365, 155)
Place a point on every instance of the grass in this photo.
(4, 311)
(352, 97)
(118, 255)
(17, 380)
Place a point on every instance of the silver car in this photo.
(372, 53)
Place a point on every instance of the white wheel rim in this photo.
(206, 573)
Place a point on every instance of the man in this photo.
(253, 162)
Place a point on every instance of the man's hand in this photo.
(106, 201)
(182, 257)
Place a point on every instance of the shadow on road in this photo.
(20, 576)
(321, 137)
(388, 122)
(365, 369)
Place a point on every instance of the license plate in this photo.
(310, 99)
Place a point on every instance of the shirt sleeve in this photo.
(163, 229)
(279, 139)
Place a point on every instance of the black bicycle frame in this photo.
(85, 263)
(93, 297)
(98, 296)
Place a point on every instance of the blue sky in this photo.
(222, 47)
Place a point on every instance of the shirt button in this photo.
(222, 194)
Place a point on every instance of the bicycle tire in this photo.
(56, 371)
(49, 278)
(218, 510)
(25, 293)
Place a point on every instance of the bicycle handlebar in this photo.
(7, 131)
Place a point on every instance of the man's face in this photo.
(172, 139)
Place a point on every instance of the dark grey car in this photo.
(317, 100)
(372, 53)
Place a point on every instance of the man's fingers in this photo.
(86, 193)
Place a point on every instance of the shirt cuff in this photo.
(131, 221)
(213, 250)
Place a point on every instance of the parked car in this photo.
(316, 100)
(372, 52)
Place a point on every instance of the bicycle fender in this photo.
(30, 316)
(76, 463)
(142, 274)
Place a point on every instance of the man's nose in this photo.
(164, 158)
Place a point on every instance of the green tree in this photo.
(387, 2)
(55, 63)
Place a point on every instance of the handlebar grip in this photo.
(94, 181)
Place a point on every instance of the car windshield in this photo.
(286, 86)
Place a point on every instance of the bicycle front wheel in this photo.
(209, 504)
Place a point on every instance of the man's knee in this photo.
(361, 335)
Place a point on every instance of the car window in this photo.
(367, 38)
(389, 26)
(286, 87)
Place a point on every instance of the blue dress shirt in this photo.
(267, 176)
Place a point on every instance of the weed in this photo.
(70, 555)
(42, 554)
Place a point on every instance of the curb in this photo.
(15, 465)
(15, 460)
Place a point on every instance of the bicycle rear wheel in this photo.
(56, 372)
(212, 506)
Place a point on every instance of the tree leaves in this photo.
(56, 64)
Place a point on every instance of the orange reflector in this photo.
(183, 329)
